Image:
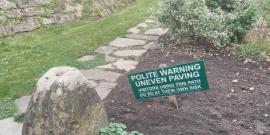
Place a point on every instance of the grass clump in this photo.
(19, 117)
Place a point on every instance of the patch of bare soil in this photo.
(238, 102)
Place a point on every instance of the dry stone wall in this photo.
(26, 15)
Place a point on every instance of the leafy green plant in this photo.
(117, 129)
(249, 50)
(218, 21)
(19, 117)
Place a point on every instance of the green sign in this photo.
(168, 81)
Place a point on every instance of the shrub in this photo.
(117, 129)
(264, 6)
(219, 21)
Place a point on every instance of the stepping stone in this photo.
(149, 21)
(156, 31)
(9, 127)
(152, 17)
(93, 83)
(150, 46)
(126, 53)
(104, 88)
(108, 66)
(126, 42)
(87, 58)
(143, 25)
(99, 74)
(22, 103)
(105, 50)
(142, 37)
(126, 65)
(134, 30)
(109, 58)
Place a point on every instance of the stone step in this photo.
(87, 58)
(126, 65)
(156, 31)
(142, 37)
(9, 127)
(22, 103)
(127, 53)
(126, 42)
(104, 88)
(100, 75)
(105, 50)
(151, 45)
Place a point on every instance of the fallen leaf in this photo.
(232, 90)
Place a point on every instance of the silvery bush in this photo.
(218, 21)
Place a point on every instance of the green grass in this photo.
(25, 57)
(7, 107)
(252, 50)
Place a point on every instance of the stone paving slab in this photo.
(87, 58)
(143, 25)
(105, 50)
(9, 127)
(126, 65)
(104, 88)
(93, 83)
(109, 58)
(99, 75)
(149, 21)
(155, 31)
(22, 103)
(126, 42)
(127, 53)
(134, 30)
(108, 66)
(151, 45)
(142, 37)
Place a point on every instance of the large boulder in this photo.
(64, 103)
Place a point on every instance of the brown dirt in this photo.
(218, 111)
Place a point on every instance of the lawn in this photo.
(25, 57)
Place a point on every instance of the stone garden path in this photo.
(121, 54)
